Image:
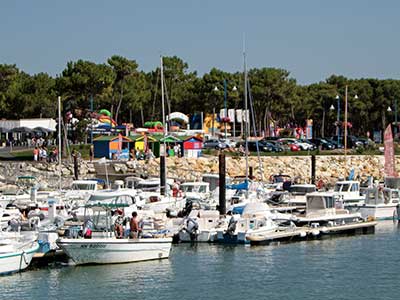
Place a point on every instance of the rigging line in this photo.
(168, 103)
(154, 98)
(254, 129)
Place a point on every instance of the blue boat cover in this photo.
(240, 186)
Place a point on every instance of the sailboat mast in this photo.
(245, 114)
(59, 140)
(163, 172)
(162, 97)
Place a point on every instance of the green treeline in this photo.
(134, 96)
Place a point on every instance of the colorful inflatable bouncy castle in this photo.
(104, 118)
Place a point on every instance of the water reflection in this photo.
(353, 267)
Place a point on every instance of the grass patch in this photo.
(27, 154)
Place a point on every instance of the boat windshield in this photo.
(194, 188)
(301, 190)
(148, 187)
(342, 187)
(83, 187)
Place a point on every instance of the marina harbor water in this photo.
(351, 267)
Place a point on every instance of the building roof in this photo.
(109, 138)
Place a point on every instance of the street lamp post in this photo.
(213, 116)
(226, 109)
(389, 109)
(234, 89)
(338, 120)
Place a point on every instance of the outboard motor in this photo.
(286, 185)
(231, 226)
(187, 209)
(191, 227)
(34, 222)
(14, 225)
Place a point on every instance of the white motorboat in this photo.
(16, 252)
(80, 191)
(160, 204)
(126, 197)
(322, 207)
(197, 189)
(254, 216)
(202, 226)
(297, 194)
(104, 248)
(348, 192)
(110, 250)
(381, 203)
(321, 218)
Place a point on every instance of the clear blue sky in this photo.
(312, 39)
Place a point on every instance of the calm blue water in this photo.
(358, 267)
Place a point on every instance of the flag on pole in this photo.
(390, 165)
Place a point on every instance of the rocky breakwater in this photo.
(47, 174)
(328, 168)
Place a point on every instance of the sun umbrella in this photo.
(22, 130)
(43, 129)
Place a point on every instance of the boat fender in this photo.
(303, 234)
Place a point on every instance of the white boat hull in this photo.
(17, 261)
(162, 206)
(204, 236)
(379, 212)
(112, 251)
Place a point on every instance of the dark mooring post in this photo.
(222, 184)
(313, 164)
(162, 175)
(76, 165)
(251, 172)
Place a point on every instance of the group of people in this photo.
(119, 222)
(40, 153)
(142, 155)
(174, 151)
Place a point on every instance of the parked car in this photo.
(293, 141)
(263, 146)
(275, 143)
(323, 143)
(366, 142)
(352, 141)
(312, 146)
(289, 144)
(230, 143)
(214, 144)
(335, 143)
